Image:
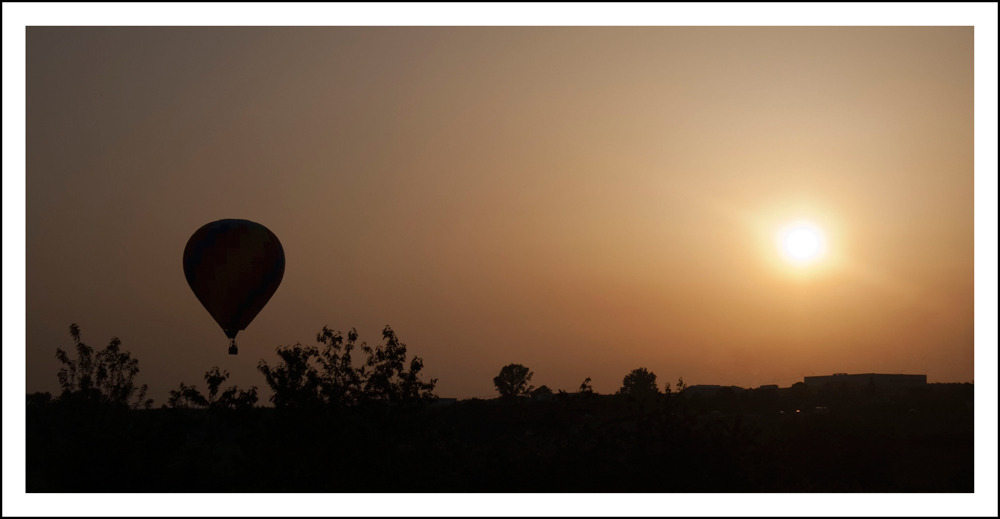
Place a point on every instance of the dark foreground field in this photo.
(863, 441)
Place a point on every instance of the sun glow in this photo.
(802, 242)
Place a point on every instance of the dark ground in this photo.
(864, 441)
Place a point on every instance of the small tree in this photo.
(542, 390)
(309, 376)
(513, 381)
(295, 382)
(341, 381)
(232, 398)
(107, 376)
(388, 381)
(639, 382)
(186, 396)
(586, 388)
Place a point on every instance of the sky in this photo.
(580, 200)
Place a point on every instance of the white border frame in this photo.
(983, 16)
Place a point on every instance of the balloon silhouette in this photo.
(233, 268)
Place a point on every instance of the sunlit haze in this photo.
(580, 200)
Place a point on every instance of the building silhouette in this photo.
(709, 389)
(879, 380)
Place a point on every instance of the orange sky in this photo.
(582, 201)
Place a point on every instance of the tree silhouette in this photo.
(340, 381)
(294, 381)
(586, 388)
(513, 381)
(235, 398)
(542, 390)
(307, 376)
(214, 378)
(186, 396)
(107, 376)
(231, 398)
(388, 381)
(639, 381)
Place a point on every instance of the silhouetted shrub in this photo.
(294, 381)
(639, 382)
(586, 388)
(186, 396)
(513, 381)
(105, 377)
(232, 398)
(307, 376)
(388, 380)
(341, 381)
(542, 390)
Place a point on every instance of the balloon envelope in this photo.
(233, 267)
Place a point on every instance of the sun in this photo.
(802, 242)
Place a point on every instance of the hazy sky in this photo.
(583, 201)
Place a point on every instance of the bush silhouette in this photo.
(308, 376)
(639, 382)
(341, 383)
(186, 396)
(105, 377)
(586, 388)
(513, 381)
(232, 398)
(542, 390)
(294, 381)
(388, 380)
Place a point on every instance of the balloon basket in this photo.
(232, 347)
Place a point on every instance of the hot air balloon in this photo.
(233, 268)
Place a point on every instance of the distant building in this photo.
(867, 379)
(708, 389)
(768, 386)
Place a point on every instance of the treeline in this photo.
(304, 376)
(513, 382)
(340, 427)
